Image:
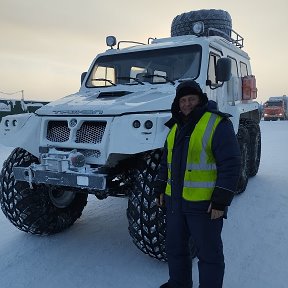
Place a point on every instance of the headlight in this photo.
(111, 41)
(136, 124)
(148, 124)
(198, 27)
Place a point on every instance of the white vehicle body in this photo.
(144, 102)
(107, 138)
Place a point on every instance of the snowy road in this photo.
(98, 252)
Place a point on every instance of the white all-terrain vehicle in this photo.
(107, 138)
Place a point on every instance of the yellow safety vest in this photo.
(200, 174)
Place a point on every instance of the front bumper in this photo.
(91, 181)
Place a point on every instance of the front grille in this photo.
(58, 131)
(90, 132)
(90, 153)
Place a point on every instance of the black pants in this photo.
(206, 235)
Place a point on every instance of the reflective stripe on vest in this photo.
(200, 174)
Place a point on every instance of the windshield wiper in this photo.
(104, 79)
(131, 78)
(160, 76)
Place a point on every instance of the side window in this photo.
(234, 68)
(243, 69)
(213, 58)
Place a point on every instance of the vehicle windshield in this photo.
(149, 66)
(273, 103)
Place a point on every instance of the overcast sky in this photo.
(46, 45)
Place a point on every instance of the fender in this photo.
(21, 130)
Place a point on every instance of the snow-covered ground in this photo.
(98, 252)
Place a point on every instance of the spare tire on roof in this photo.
(212, 18)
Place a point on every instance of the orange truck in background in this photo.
(276, 108)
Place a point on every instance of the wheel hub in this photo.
(61, 198)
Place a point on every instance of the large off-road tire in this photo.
(39, 210)
(244, 143)
(147, 221)
(255, 146)
(212, 18)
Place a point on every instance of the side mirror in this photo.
(223, 70)
(83, 75)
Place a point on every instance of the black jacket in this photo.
(225, 149)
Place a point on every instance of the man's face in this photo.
(188, 103)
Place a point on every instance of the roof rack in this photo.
(133, 42)
(234, 38)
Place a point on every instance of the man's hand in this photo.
(160, 200)
(159, 187)
(215, 214)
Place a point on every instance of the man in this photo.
(199, 171)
